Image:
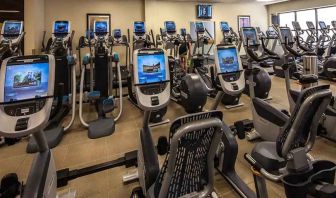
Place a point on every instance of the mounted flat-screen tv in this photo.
(204, 11)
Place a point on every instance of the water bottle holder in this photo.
(298, 185)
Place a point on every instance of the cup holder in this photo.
(299, 184)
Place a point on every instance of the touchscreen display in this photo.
(286, 34)
(26, 81)
(101, 27)
(139, 27)
(310, 25)
(117, 33)
(12, 28)
(61, 27)
(225, 26)
(151, 68)
(296, 25)
(199, 27)
(250, 34)
(170, 26)
(228, 60)
(323, 26)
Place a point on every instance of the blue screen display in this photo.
(61, 27)
(224, 26)
(251, 35)
(101, 27)
(170, 26)
(199, 27)
(12, 28)
(139, 27)
(204, 11)
(228, 60)
(151, 68)
(26, 81)
(117, 33)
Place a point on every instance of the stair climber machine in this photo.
(11, 39)
(200, 58)
(308, 79)
(187, 89)
(26, 97)
(118, 41)
(261, 79)
(231, 94)
(101, 60)
(267, 121)
(142, 40)
(10, 45)
(65, 80)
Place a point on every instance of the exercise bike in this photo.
(196, 133)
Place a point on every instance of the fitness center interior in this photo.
(167, 98)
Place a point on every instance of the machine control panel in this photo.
(28, 108)
(21, 124)
(153, 89)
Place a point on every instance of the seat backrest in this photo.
(301, 128)
(189, 164)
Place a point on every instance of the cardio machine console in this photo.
(249, 36)
(151, 78)
(12, 30)
(27, 88)
(229, 68)
(170, 27)
(286, 35)
(139, 30)
(61, 29)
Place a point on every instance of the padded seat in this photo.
(101, 128)
(265, 153)
(53, 136)
(267, 112)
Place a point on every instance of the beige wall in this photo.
(33, 25)
(297, 5)
(182, 13)
(124, 12)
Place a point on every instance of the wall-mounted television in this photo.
(204, 11)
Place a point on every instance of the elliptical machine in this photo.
(326, 44)
(60, 45)
(229, 35)
(187, 89)
(11, 39)
(142, 40)
(101, 60)
(26, 104)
